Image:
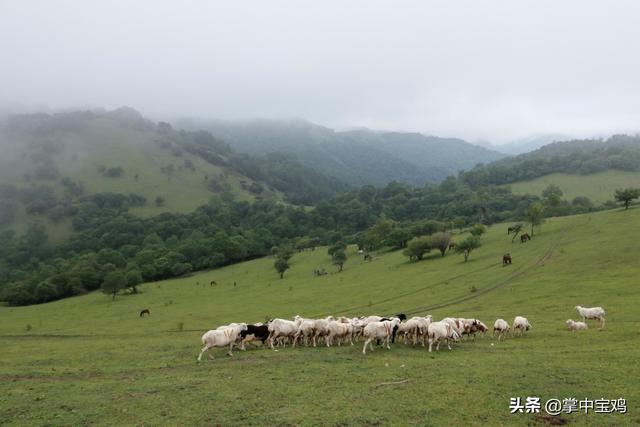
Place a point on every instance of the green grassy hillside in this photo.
(152, 166)
(599, 187)
(88, 360)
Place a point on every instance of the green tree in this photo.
(336, 248)
(627, 195)
(113, 282)
(441, 242)
(466, 246)
(281, 265)
(417, 247)
(478, 230)
(133, 279)
(284, 252)
(399, 237)
(338, 258)
(535, 215)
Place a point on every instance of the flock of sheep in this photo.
(371, 328)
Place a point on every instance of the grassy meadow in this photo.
(599, 187)
(90, 361)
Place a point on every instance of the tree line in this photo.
(111, 246)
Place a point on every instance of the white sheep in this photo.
(595, 313)
(441, 331)
(221, 338)
(502, 327)
(576, 326)
(521, 324)
(379, 331)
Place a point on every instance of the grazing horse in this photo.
(368, 257)
(145, 311)
(525, 237)
(213, 283)
(452, 245)
(506, 259)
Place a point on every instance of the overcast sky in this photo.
(490, 70)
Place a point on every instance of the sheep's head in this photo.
(578, 307)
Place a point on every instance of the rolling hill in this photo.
(51, 162)
(88, 360)
(359, 157)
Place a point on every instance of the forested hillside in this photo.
(54, 166)
(358, 157)
(620, 152)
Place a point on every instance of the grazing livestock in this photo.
(506, 259)
(576, 326)
(521, 324)
(379, 331)
(338, 330)
(254, 333)
(306, 330)
(524, 237)
(226, 336)
(320, 329)
(595, 313)
(145, 311)
(441, 331)
(452, 245)
(282, 328)
(415, 329)
(473, 326)
(457, 324)
(501, 327)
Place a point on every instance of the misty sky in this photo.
(491, 70)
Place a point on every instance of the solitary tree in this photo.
(441, 242)
(339, 258)
(281, 265)
(535, 215)
(336, 248)
(417, 247)
(467, 245)
(113, 282)
(627, 195)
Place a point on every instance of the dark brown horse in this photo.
(145, 311)
(506, 259)
(452, 245)
(524, 237)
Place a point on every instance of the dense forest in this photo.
(112, 245)
(620, 152)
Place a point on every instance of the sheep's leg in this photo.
(449, 344)
(364, 349)
(230, 349)
(271, 340)
(438, 345)
(205, 348)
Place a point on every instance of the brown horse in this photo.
(506, 259)
(524, 237)
(145, 311)
(452, 245)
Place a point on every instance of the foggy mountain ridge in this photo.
(358, 156)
